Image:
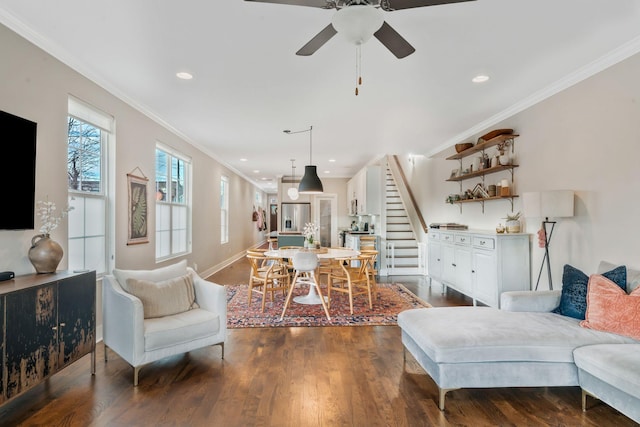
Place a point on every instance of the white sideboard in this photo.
(480, 264)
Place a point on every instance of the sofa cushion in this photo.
(164, 298)
(163, 273)
(169, 331)
(573, 301)
(633, 275)
(614, 364)
(610, 309)
(485, 334)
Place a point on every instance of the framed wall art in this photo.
(138, 209)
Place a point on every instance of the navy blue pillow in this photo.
(573, 301)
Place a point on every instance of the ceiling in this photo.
(249, 85)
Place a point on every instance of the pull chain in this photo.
(358, 67)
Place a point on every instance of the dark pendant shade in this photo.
(310, 183)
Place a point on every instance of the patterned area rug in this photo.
(391, 300)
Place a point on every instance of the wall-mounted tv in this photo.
(18, 136)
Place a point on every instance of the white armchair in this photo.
(140, 341)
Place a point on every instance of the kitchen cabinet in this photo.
(364, 192)
(49, 323)
(290, 240)
(480, 264)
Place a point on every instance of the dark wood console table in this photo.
(47, 321)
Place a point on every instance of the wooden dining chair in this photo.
(267, 278)
(352, 281)
(266, 261)
(371, 268)
(367, 243)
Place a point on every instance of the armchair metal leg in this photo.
(105, 352)
(136, 370)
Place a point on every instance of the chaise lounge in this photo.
(523, 344)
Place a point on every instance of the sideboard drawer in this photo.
(463, 239)
(447, 237)
(484, 242)
(433, 235)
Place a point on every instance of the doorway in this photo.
(273, 218)
(326, 216)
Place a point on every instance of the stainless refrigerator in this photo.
(294, 216)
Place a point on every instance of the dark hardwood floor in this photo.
(331, 376)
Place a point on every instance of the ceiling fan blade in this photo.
(394, 41)
(318, 41)
(408, 4)
(311, 3)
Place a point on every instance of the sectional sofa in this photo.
(525, 344)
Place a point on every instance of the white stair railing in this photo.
(422, 258)
(390, 261)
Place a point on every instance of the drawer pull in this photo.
(482, 242)
(453, 264)
(463, 239)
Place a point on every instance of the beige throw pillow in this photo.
(163, 273)
(166, 297)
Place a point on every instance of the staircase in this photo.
(402, 251)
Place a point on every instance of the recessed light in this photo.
(332, 160)
(256, 171)
(184, 75)
(327, 171)
(243, 160)
(480, 78)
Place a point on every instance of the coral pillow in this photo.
(610, 309)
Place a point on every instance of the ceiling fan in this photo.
(358, 20)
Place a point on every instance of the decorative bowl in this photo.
(464, 146)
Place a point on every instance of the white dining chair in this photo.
(304, 267)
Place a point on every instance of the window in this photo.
(224, 209)
(88, 134)
(173, 234)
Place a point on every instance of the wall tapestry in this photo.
(137, 231)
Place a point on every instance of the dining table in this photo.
(312, 296)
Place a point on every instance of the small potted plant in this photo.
(512, 224)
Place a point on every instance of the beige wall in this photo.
(36, 86)
(586, 139)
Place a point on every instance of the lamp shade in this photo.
(293, 193)
(357, 23)
(310, 183)
(548, 204)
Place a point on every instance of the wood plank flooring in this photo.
(331, 376)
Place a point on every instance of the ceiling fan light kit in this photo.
(357, 23)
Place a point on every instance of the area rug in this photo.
(391, 300)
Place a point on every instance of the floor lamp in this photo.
(547, 204)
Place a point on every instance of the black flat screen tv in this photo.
(18, 137)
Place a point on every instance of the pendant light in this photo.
(293, 191)
(310, 183)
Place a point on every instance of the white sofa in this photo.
(521, 345)
(140, 341)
